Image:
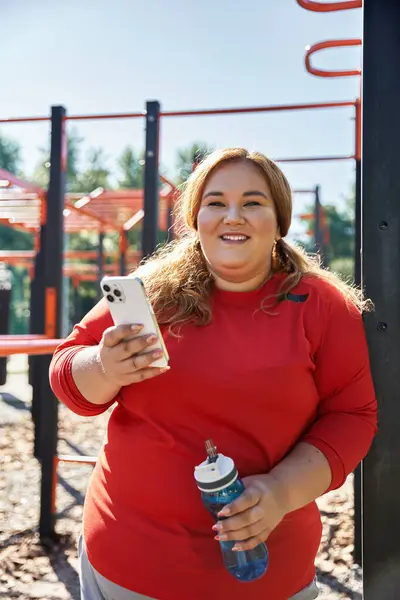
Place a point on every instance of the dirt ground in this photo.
(29, 571)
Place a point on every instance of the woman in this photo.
(267, 357)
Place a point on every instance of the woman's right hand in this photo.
(124, 360)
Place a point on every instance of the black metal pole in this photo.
(100, 263)
(381, 278)
(151, 180)
(53, 279)
(357, 485)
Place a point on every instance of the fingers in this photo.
(244, 526)
(135, 346)
(127, 347)
(252, 542)
(250, 497)
(126, 359)
(244, 521)
(114, 335)
(143, 374)
(124, 346)
(140, 361)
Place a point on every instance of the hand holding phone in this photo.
(129, 305)
(125, 359)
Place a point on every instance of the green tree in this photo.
(188, 156)
(340, 249)
(131, 167)
(341, 228)
(14, 239)
(10, 155)
(344, 267)
(41, 174)
(95, 175)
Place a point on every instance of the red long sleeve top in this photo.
(255, 382)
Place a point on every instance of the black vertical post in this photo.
(100, 263)
(381, 278)
(151, 180)
(318, 233)
(53, 279)
(357, 486)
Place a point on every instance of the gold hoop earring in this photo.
(275, 257)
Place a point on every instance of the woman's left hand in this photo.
(250, 518)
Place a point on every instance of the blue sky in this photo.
(101, 56)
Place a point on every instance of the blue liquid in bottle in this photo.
(218, 481)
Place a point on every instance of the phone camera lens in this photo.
(106, 288)
(110, 298)
(117, 293)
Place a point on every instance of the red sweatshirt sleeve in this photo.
(347, 412)
(87, 333)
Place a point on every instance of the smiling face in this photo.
(237, 225)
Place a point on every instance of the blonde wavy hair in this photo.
(177, 279)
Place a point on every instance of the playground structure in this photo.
(377, 225)
(23, 206)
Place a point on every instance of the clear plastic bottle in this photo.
(217, 479)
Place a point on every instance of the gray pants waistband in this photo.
(96, 587)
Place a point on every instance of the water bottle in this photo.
(217, 479)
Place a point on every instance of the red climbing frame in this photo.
(329, 7)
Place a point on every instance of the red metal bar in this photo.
(310, 50)
(75, 118)
(25, 185)
(329, 7)
(168, 182)
(24, 119)
(87, 460)
(187, 113)
(31, 346)
(23, 337)
(136, 115)
(313, 159)
(257, 109)
(16, 255)
(93, 215)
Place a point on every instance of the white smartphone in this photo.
(128, 304)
